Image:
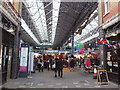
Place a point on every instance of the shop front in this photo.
(6, 49)
(113, 56)
(112, 51)
(7, 54)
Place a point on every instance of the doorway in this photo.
(4, 63)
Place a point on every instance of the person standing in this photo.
(59, 67)
(80, 62)
(42, 65)
(48, 64)
(72, 64)
(39, 64)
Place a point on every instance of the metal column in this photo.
(15, 62)
(102, 48)
(72, 42)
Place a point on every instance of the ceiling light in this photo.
(11, 30)
(114, 34)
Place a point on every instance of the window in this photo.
(106, 6)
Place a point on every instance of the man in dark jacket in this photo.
(59, 67)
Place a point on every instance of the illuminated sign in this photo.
(80, 48)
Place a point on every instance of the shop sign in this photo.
(51, 51)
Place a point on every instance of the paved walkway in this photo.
(46, 79)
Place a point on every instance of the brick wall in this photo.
(114, 9)
(18, 7)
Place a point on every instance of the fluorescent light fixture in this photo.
(11, 30)
(113, 34)
(27, 29)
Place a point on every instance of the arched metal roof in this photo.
(53, 22)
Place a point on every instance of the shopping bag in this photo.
(53, 66)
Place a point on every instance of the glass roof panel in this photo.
(55, 13)
(27, 29)
(91, 26)
(37, 12)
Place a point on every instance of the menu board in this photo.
(102, 77)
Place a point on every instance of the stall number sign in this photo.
(102, 77)
(24, 56)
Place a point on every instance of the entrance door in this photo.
(4, 64)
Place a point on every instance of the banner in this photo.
(80, 48)
(110, 44)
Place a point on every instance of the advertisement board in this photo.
(23, 60)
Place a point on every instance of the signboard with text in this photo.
(23, 60)
(102, 77)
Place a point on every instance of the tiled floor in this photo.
(46, 79)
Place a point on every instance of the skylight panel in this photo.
(27, 29)
(55, 13)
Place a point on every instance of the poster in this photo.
(23, 59)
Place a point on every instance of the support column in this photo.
(0, 48)
(72, 41)
(103, 56)
(15, 62)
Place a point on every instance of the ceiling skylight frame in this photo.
(55, 14)
(39, 18)
(28, 30)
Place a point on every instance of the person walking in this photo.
(88, 64)
(40, 64)
(59, 67)
(72, 64)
